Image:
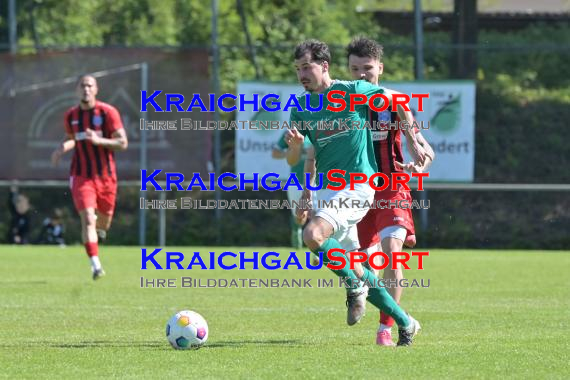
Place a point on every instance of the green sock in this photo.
(377, 296)
(380, 298)
(348, 274)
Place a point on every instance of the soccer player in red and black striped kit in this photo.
(94, 131)
(391, 227)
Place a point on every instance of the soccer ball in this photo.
(187, 330)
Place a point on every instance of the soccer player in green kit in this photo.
(348, 149)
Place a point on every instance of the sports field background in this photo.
(486, 314)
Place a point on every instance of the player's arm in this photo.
(118, 140)
(309, 167)
(280, 148)
(295, 140)
(67, 145)
(430, 155)
(277, 153)
(114, 128)
(294, 155)
(415, 148)
(294, 150)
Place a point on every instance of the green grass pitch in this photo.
(486, 314)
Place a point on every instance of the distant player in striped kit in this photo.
(94, 131)
(386, 230)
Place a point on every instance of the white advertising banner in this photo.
(450, 112)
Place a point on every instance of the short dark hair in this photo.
(365, 47)
(82, 76)
(319, 50)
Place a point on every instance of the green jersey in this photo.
(298, 168)
(341, 139)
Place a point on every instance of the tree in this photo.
(275, 27)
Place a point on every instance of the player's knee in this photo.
(303, 219)
(313, 236)
(395, 246)
(104, 223)
(390, 271)
(89, 219)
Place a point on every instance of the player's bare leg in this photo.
(316, 233)
(303, 219)
(90, 240)
(358, 267)
(88, 225)
(102, 226)
(410, 241)
(389, 245)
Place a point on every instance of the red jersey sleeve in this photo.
(113, 122)
(66, 124)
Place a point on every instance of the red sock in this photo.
(92, 249)
(385, 319)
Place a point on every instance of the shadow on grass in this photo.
(244, 343)
(22, 283)
(155, 345)
(107, 343)
(92, 344)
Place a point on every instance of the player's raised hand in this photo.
(301, 216)
(56, 156)
(294, 138)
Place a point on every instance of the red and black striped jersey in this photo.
(387, 140)
(90, 160)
